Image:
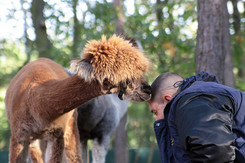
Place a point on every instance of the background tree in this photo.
(213, 49)
(43, 44)
(121, 139)
(26, 39)
(76, 30)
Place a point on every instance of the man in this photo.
(198, 119)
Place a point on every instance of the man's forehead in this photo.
(157, 98)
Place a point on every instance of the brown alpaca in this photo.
(41, 98)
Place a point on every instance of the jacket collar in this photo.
(202, 76)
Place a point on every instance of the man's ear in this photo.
(167, 98)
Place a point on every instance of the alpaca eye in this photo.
(127, 81)
(106, 85)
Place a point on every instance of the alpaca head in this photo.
(117, 65)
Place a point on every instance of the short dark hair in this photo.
(157, 83)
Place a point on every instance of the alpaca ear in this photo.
(83, 69)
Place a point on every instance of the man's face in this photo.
(157, 106)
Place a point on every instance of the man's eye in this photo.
(154, 112)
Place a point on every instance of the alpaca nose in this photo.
(146, 88)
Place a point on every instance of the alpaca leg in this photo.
(18, 151)
(35, 152)
(72, 143)
(84, 151)
(43, 147)
(47, 151)
(55, 147)
(99, 149)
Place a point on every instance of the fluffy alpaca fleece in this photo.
(41, 98)
(114, 59)
(102, 116)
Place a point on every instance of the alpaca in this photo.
(102, 115)
(41, 98)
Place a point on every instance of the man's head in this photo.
(163, 90)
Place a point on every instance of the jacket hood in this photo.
(202, 76)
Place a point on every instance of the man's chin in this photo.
(159, 117)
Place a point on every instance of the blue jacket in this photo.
(205, 122)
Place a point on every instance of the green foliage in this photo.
(4, 126)
(169, 48)
(12, 58)
(140, 126)
(240, 84)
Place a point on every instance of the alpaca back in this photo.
(101, 114)
(30, 76)
(97, 120)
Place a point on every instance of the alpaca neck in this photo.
(57, 97)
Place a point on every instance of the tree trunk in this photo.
(159, 15)
(27, 41)
(213, 49)
(121, 139)
(76, 31)
(43, 44)
(236, 17)
(118, 5)
(121, 142)
(229, 79)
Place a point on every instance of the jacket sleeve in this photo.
(160, 128)
(204, 125)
